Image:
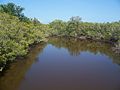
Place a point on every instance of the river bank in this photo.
(30, 48)
(115, 44)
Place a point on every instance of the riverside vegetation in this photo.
(18, 33)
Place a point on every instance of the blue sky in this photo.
(88, 10)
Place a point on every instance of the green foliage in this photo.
(16, 37)
(76, 28)
(13, 10)
(73, 26)
(58, 27)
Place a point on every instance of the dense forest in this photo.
(18, 32)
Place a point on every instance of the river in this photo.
(65, 64)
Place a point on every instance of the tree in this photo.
(35, 21)
(73, 25)
(13, 9)
(58, 26)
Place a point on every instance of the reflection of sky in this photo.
(89, 10)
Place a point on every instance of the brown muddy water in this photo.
(65, 64)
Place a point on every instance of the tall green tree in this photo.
(73, 25)
(13, 9)
(58, 27)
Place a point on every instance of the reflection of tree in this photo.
(13, 76)
(75, 46)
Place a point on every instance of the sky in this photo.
(89, 10)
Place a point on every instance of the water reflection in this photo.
(76, 46)
(12, 77)
(65, 64)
